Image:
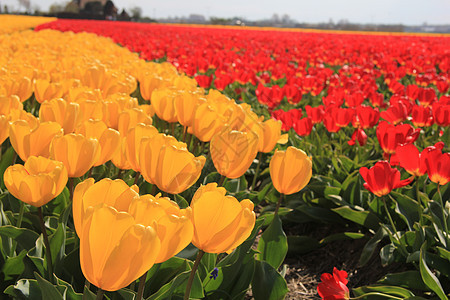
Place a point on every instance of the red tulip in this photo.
(438, 165)
(366, 117)
(204, 81)
(381, 179)
(315, 113)
(395, 114)
(334, 287)
(441, 113)
(303, 126)
(390, 136)
(412, 92)
(422, 116)
(427, 96)
(358, 135)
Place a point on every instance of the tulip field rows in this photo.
(149, 161)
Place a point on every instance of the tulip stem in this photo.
(100, 293)
(184, 135)
(136, 178)
(278, 204)
(444, 219)
(140, 293)
(119, 174)
(419, 206)
(48, 252)
(396, 233)
(18, 224)
(221, 180)
(187, 294)
(257, 170)
(71, 188)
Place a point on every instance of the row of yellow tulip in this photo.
(13, 23)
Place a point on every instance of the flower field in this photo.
(150, 161)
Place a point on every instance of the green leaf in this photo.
(428, 277)
(342, 236)
(364, 218)
(406, 208)
(267, 283)
(385, 290)
(443, 253)
(25, 289)
(408, 279)
(273, 245)
(370, 246)
(178, 286)
(5, 162)
(236, 185)
(387, 254)
(127, 294)
(161, 274)
(24, 237)
(57, 244)
(14, 266)
(182, 203)
(88, 295)
(48, 290)
(70, 293)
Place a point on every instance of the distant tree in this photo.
(72, 7)
(25, 4)
(56, 8)
(275, 18)
(94, 7)
(136, 13)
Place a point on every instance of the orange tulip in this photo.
(60, 111)
(221, 223)
(37, 182)
(114, 249)
(33, 141)
(163, 104)
(45, 90)
(233, 151)
(290, 170)
(133, 143)
(175, 229)
(78, 153)
(115, 193)
(129, 118)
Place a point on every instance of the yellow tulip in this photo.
(21, 87)
(4, 128)
(151, 158)
(133, 143)
(45, 90)
(108, 138)
(37, 182)
(175, 229)
(114, 249)
(233, 151)
(207, 122)
(91, 109)
(290, 170)
(28, 140)
(60, 111)
(119, 159)
(129, 118)
(163, 104)
(114, 105)
(149, 83)
(115, 193)
(221, 223)
(185, 106)
(78, 153)
(9, 103)
(271, 134)
(177, 169)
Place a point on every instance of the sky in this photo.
(406, 12)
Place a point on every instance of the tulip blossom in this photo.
(66, 114)
(108, 138)
(115, 250)
(390, 136)
(163, 103)
(334, 287)
(438, 165)
(28, 140)
(381, 179)
(412, 160)
(315, 113)
(133, 143)
(77, 152)
(175, 229)
(233, 152)
(358, 135)
(45, 90)
(303, 126)
(290, 170)
(221, 223)
(36, 182)
(422, 116)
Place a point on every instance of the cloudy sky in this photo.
(407, 12)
